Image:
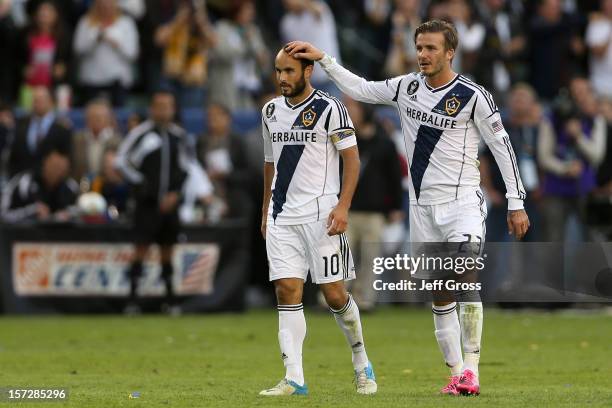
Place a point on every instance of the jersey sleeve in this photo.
(358, 88)
(339, 126)
(265, 133)
(489, 123)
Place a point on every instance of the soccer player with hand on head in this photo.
(305, 133)
(443, 115)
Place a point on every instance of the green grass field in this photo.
(528, 360)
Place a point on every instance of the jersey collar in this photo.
(440, 88)
(305, 101)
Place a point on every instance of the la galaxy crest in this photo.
(451, 105)
(270, 110)
(413, 87)
(308, 117)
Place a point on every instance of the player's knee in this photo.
(336, 299)
(287, 293)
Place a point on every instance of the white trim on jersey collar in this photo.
(303, 102)
(441, 87)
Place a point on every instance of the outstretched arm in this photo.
(379, 92)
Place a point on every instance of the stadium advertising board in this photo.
(73, 269)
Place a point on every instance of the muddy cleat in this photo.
(286, 387)
(451, 387)
(365, 381)
(468, 383)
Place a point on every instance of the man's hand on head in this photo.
(302, 49)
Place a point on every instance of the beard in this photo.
(296, 89)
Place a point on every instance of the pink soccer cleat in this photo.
(468, 383)
(451, 387)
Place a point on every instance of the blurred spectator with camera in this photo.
(39, 133)
(45, 193)
(571, 145)
(599, 41)
(45, 50)
(106, 48)
(185, 41)
(223, 155)
(239, 59)
(522, 122)
(89, 144)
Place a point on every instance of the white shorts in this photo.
(460, 221)
(295, 250)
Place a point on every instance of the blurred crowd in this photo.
(548, 64)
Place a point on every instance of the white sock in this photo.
(349, 321)
(291, 334)
(471, 317)
(448, 335)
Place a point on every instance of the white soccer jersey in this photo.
(442, 129)
(303, 143)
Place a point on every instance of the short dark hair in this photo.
(305, 62)
(451, 38)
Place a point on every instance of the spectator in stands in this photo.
(185, 41)
(570, 147)
(471, 34)
(378, 197)
(402, 54)
(238, 59)
(604, 175)
(109, 183)
(46, 193)
(8, 50)
(7, 130)
(106, 47)
(599, 41)
(39, 133)
(88, 145)
(152, 159)
(45, 46)
(366, 34)
(223, 155)
(522, 123)
(312, 21)
(554, 47)
(498, 61)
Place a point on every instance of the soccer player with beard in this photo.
(305, 133)
(443, 115)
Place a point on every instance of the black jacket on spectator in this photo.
(380, 179)
(58, 137)
(153, 161)
(25, 190)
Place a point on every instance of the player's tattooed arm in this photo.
(268, 176)
(337, 221)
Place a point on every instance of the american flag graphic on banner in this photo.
(198, 269)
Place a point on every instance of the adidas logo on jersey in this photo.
(272, 119)
(413, 98)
